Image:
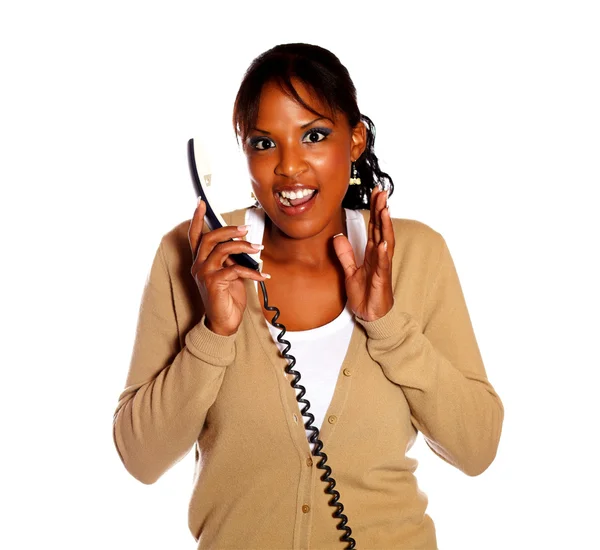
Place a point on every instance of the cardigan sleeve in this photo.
(441, 372)
(169, 389)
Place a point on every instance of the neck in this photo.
(315, 252)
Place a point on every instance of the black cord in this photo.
(314, 437)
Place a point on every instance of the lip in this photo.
(296, 210)
(297, 187)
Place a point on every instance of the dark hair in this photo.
(323, 73)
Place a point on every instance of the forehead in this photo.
(278, 103)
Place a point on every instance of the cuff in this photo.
(395, 322)
(210, 347)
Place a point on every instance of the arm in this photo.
(440, 370)
(168, 391)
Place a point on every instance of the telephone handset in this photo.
(201, 177)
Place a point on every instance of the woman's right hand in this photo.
(218, 277)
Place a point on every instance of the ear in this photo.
(358, 141)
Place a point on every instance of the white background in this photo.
(487, 117)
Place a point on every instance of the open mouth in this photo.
(295, 202)
(295, 198)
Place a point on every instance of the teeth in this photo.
(296, 194)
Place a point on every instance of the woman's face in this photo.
(292, 149)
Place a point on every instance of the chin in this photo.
(302, 226)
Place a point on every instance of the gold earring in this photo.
(252, 195)
(354, 180)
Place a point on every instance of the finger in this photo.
(195, 229)
(383, 260)
(345, 254)
(371, 233)
(212, 239)
(380, 202)
(368, 260)
(380, 275)
(387, 231)
(221, 253)
(225, 276)
(228, 262)
(376, 204)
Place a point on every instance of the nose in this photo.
(291, 161)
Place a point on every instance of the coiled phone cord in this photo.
(314, 437)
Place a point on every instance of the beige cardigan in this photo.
(256, 487)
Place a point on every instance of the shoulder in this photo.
(418, 249)
(407, 231)
(416, 230)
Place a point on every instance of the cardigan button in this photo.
(332, 419)
(309, 462)
(347, 372)
(306, 508)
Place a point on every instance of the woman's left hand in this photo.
(369, 287)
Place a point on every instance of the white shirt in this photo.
(319, 352)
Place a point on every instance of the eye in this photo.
(258, 143)
(314, 135)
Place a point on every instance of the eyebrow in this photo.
(302, 127)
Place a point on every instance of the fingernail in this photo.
(337, 235)
(243, 227)
(385, 245)
(257, 246)
(199, 200)
(266, 275)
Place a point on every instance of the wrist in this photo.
(394, 324)
(217, 330)
(375, 315)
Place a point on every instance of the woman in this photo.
(375, 316)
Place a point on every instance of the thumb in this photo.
(345, 254)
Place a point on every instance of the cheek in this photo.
(259, 168)
(333, 164)
(256, 171)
